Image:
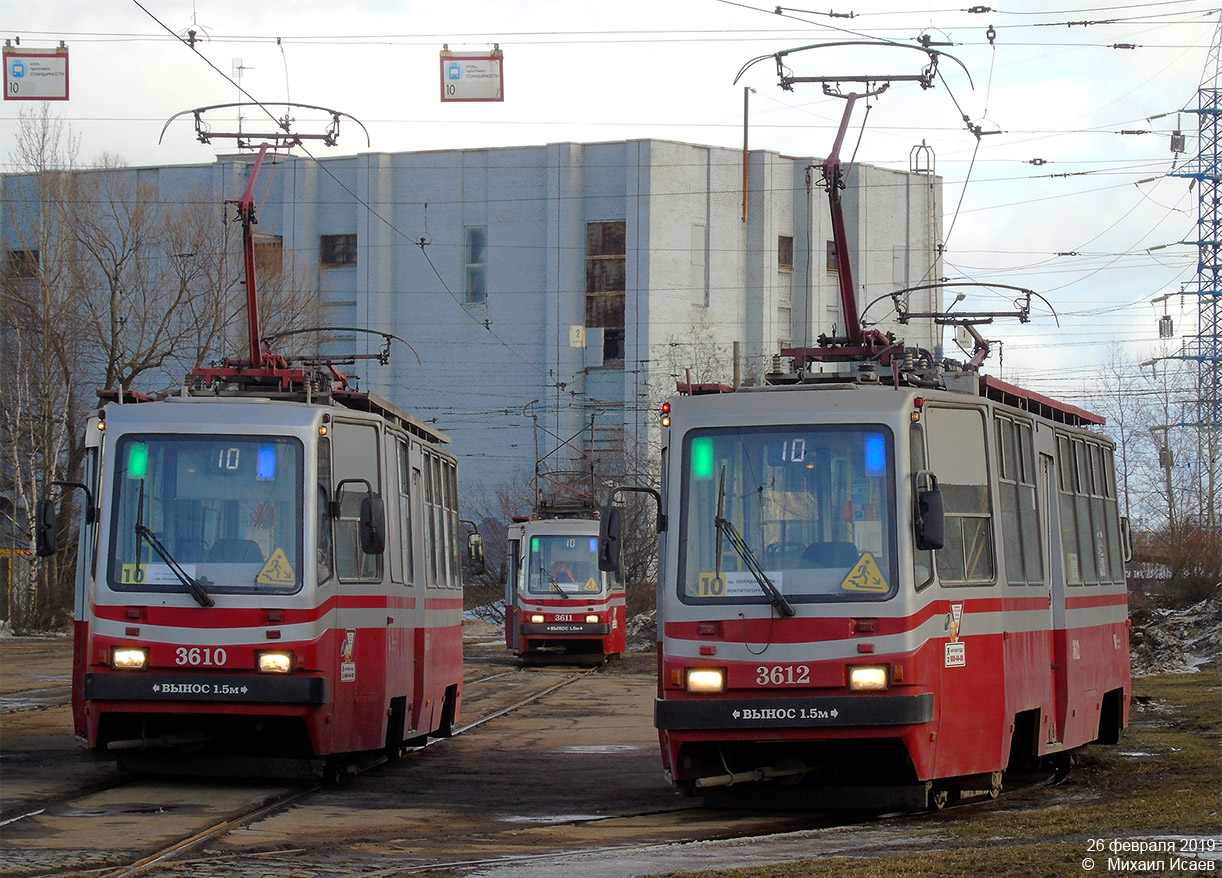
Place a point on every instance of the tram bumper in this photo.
(232, 689)
(745, 714)
(565, 629)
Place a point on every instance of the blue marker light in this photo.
(265, 469)
(593, 544)
(876, 454)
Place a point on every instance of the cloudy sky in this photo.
(1070, 190)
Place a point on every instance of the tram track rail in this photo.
(167, 854)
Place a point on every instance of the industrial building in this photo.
(561, 290)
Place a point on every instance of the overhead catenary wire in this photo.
(421, 243)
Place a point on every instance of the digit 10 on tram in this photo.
(879, 595)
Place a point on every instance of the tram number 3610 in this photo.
(197, 656)
(782, 675)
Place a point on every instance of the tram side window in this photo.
(356, 457)
(1115, 551)
(1086, 531)
(405, 512)
(958, 458)
(1090, 530)
(922, 562)
(451, 497)
(431, 518)
(1019, 518)
(1067, 485)
(325, 546)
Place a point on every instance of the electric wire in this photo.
(421, 243)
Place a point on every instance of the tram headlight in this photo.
(868, 678)
(536, 618)
(274, 662)
(129, 658)
(592, 619)
(706, 680)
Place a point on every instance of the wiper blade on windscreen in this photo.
(726, 528)
(551, 577)
(194, 588)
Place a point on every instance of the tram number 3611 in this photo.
(782, 675)
(197, 656)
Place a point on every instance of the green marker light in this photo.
(534, 544)
(137, 460)
(702, 457)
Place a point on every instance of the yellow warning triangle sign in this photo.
(277, 570)
(865, 576)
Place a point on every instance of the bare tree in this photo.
(40, 423)
(110, 284)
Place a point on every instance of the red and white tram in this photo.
(558, 604)
(882, 593)
(883, 579)
(242, 593)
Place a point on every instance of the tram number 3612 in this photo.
(782, 675)
(197, 656)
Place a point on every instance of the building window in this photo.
(700, 274)
(833, 261)
(269, 254)
(784, 251)
(605, 284)
(475, 250)
(21, 264)
(337, 250)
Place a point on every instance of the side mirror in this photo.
(373, 524)
(610, 539)
(44, 517)
(1126, 539)
(475, 554)
(930, 520)
(44, 528)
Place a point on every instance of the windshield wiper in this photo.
(726, 529)
(194, 588)
(551, 577)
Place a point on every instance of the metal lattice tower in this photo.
(1205, 348)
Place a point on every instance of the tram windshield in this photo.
(227, 510)
(563, 565)
(813, 507)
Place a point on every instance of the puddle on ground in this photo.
(555, 818)
(597, 748)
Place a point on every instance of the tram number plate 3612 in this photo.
(782, 675)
